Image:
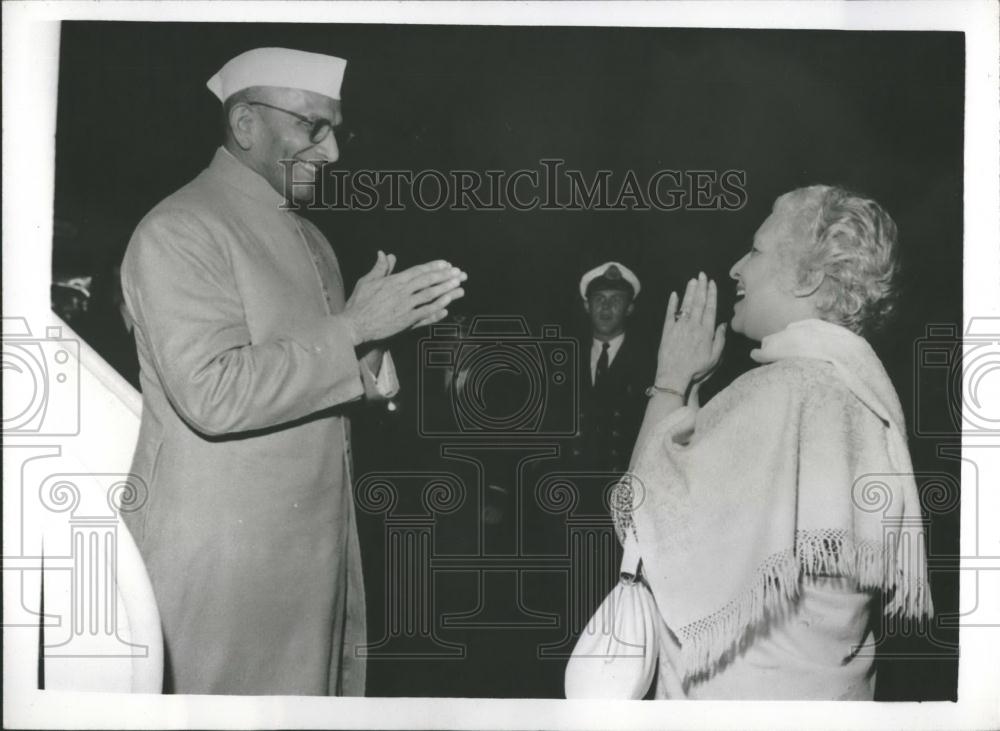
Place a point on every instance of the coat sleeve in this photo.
(181, 291)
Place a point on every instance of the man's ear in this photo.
(586, 306)
(630, 309)
(809, 284)
(242, 125)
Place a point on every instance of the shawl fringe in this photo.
(777, 583)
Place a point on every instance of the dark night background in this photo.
(878, 112)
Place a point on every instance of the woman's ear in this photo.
(809, 284)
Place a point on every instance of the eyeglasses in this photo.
(319, 129)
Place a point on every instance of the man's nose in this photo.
(327, 147)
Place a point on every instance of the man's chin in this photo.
(305, 189)
(301, 178)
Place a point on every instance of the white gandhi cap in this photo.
(285, 67)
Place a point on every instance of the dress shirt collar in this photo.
(613, 347)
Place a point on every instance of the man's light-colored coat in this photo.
(248, 531)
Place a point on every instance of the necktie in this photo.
(602, 367)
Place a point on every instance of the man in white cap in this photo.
(249, 356)
(616, 371)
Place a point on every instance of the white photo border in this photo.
(30, 70)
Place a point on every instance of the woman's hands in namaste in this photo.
(691, 345)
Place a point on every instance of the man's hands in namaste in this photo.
(384, 304)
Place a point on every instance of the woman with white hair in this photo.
(772, 522)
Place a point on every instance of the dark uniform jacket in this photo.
(609, 418)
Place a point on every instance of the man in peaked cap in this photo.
(250, 356)
(616, 371)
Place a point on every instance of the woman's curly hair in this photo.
(853, 243)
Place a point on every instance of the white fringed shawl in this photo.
(800, 467)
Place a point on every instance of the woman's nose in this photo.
(734, 273)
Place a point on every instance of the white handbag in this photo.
(616, 655)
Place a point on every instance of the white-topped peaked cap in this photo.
(610, 275)
(286, 67)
